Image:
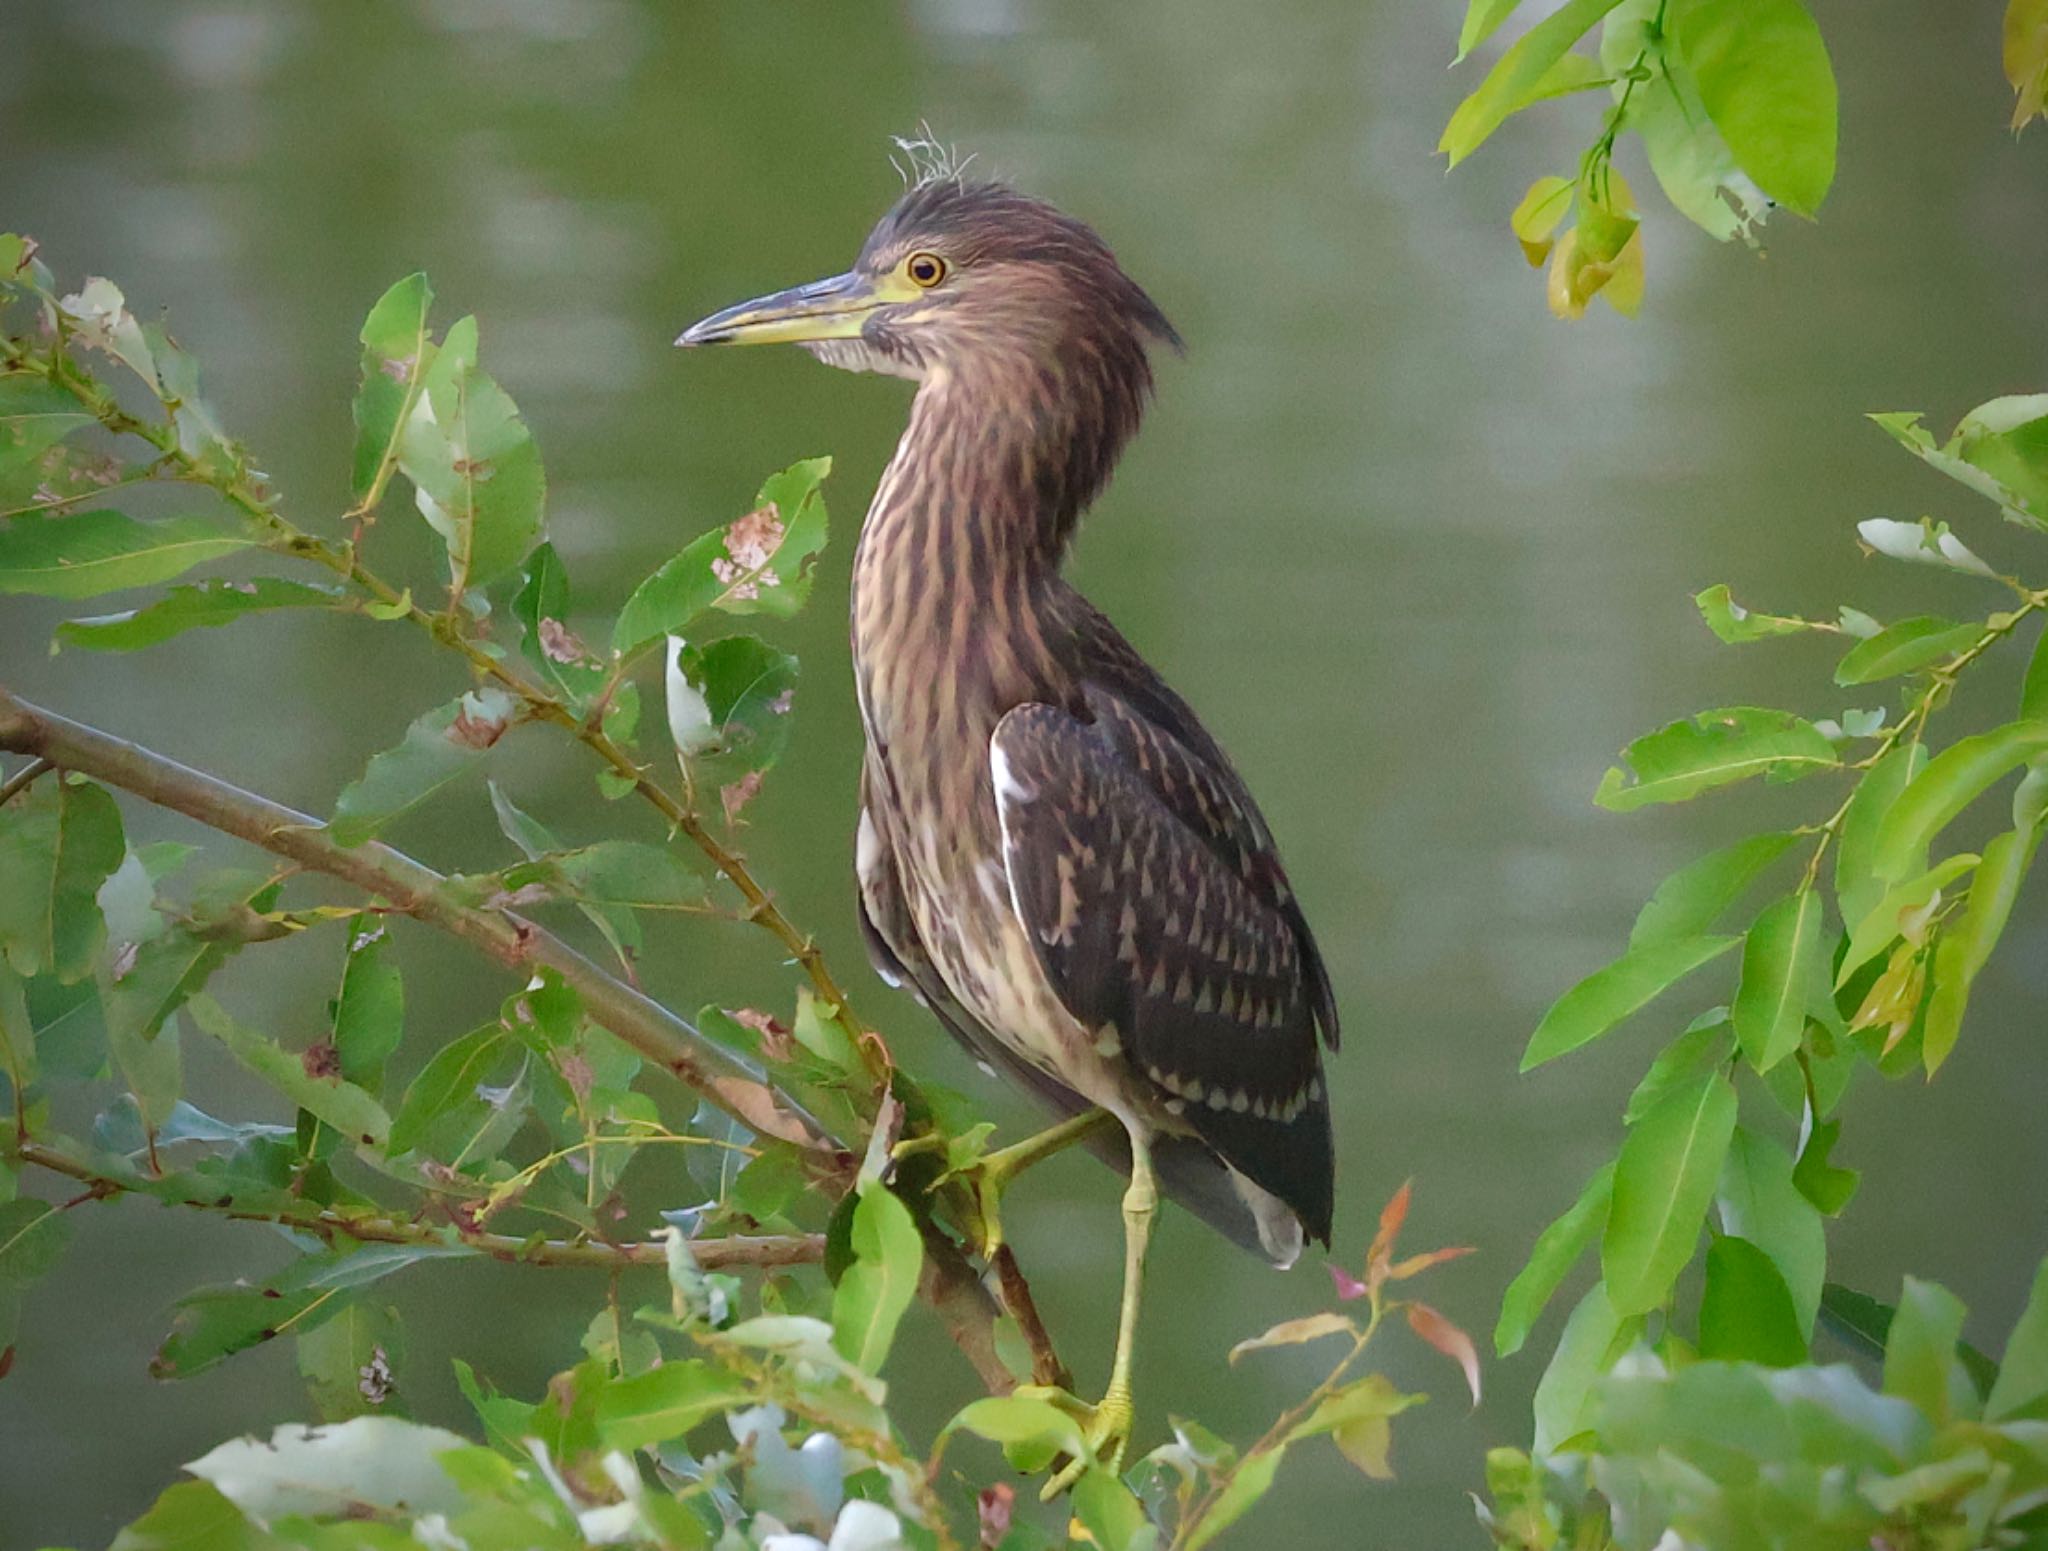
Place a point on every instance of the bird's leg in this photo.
(1109, 1423)
(992, 1175)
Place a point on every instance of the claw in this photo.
(1106, 1429)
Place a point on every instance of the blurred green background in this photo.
(1421, 555)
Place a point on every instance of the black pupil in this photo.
(925, 269)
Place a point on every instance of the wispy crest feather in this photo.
(929, 160)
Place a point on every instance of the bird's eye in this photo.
(925, 269)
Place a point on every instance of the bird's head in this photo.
(968, 279)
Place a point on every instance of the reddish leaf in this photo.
(1349, 1287)
(995, 1504)
(1380, 1256)
(1448, 1339)
(1401, 1270)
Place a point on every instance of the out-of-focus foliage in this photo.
(1684, 1396)
(794, 1188)
(1733, 103)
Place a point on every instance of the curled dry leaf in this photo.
(1293, 1332)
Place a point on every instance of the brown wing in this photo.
(1153, 898)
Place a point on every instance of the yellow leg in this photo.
(993, 1174)
(1109, 1425)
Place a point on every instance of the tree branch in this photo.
(717, 1254)
(950, 1284)
(417, 890)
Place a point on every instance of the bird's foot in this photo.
(1105, 1429)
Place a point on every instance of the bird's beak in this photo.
(824, 309)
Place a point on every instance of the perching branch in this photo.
(715, 1254)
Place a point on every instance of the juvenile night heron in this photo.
(1053, 853)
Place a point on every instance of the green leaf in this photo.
(1967, 942)
(1482, 17)
(1829, 1188)
(1663, 1183)
(1746, 1314)
(203, 605)
(369, 1014)
(32, 1235)
(396, 353)
(1011, 1420)
(664, 1403)
(475, 469)
(1735, 624)
(350, 1362)
(1925, 542)
(59, 841)
(1594, 1336)
(1920, 1349)
(437, 747)
(878, 1287)
(446, 1084)
(192, 1516)
(1113, 1517)
(1516, 78)
(1857, 887)
(747, 688)
(35, 415)
(1557, 1250)
(332, 1100)
(1692, 899)
(1952, 780)
(1607, 996)
(568, 666)
(2022, 1383)
(616, 923)
(1252, 1480)
(760, 564)
(1784, 977)
(1702, 1047)
(1909, 645)
(1764, 77)
(1713, 749)
(2034, 688)
(79, 555)
(1762, 1205)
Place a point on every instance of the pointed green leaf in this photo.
(1952, 780)
(1746, 1314)
(1250, 1482)
(1784, 977)
(336, 1102)
(396, 352)
(32, 1235)
(1735, 624)
(1763, 74)
(351, 1362)
(570, 667)
(616, 923)
(446, 1084)
(1594, 1336)
(1966, 942)
(1713, 749)
(1516, 77)
(59, 841)
(369, 1014)
(1482, 17)
(1761, 1204)
(437, 747)
(877, 1289)
(1663, 1183)
(664, 1403)
(1909, 645)
(760, 564)
(1920, 1349)
(1557, 1250)
(2022, 1386)
(1692, 899)
(79, 555)
(1705, 1045)
(1607, 996)
(1857, 887)
(204, 605)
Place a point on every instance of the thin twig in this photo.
(22, 779)
(716, 1254)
